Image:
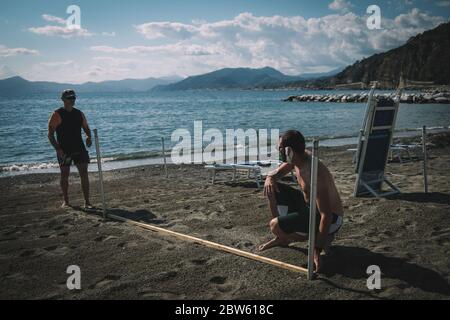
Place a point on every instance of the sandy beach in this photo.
(407, 236)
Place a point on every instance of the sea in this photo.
(130, 125)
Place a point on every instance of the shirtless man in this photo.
(290, 208)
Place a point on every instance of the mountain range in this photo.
(19, 86)
(423, 58)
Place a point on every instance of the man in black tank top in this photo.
(67, 122)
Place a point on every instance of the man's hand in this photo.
(88, 142)
(270, 187)
(60, 153)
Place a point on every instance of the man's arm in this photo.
(53, 123)
(87, 130)
(270, 186)
(281, 171)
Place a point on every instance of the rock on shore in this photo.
(425, 97)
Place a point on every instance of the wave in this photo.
(141, 155)
(17, 167)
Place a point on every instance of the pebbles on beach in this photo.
(425, 97)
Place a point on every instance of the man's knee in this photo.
(65, 174)
(83, 171)
(274, 225)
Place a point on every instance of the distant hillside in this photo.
(18, 86)
(425, 57)
(232, 78)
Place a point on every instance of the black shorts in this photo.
(294, 212)
(74, 158)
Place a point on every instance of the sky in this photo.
(159, 38)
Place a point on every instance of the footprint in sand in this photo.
(218, 280)
(125, 245)
(166, 275)
(105, 238)
(223, 285)
(244, 245)
(164, 295)
(199, 262)
(27, 253)
(105, 281)
(57, 250)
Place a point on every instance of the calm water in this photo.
(130, 125)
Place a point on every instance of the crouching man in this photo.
(289, 206)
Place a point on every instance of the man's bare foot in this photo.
(327, 246)
(276, 242)
(88, 206)
(65, 205)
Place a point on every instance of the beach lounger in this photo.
(253, 169)
(374, 142)
(396, 151)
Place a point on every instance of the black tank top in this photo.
(68, 132)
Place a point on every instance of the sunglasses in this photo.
(71, 98)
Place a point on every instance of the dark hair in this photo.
(293, 139)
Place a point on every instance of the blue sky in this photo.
(138, 39)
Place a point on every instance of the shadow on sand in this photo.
(435, 197)
(352, 262)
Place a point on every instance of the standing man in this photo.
(67, 122)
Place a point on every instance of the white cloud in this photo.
(60, 31)
(9, 52)
(50, 18)
(179, 48)
(340, 5)
(294, 45)
(155, 30)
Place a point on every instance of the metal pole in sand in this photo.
(257, 145)
(425, 156)
(100, 173)
(312, 209)
(164, 156)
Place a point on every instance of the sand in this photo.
(407, 236)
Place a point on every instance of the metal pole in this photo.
(100, 174)
(257, 145)
(425, 156)
(164, 156)
(312, 208)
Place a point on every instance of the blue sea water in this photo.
(130, 125)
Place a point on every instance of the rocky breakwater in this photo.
(416, 97)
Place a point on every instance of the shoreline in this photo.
(109, 163)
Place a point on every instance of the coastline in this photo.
(129, 161)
